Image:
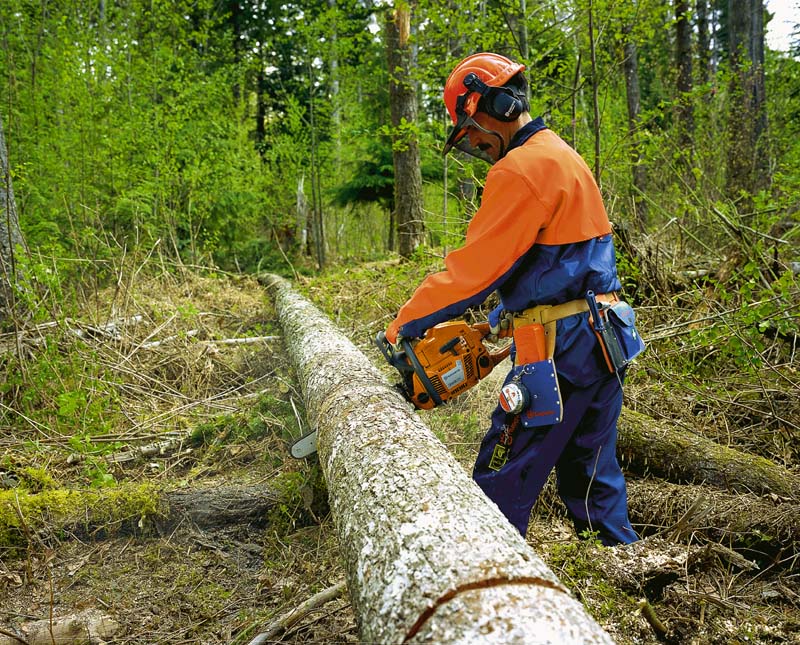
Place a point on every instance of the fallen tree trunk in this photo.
(220, 507)
(128, 508)
(648, 446)
(428, 557)
(759, 527)
(89, 627)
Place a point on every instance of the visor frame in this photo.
(457, 139)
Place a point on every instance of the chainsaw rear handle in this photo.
(498, 356)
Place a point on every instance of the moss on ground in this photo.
(25, 515)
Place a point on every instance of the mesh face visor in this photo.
(458, 139)
(464, 146)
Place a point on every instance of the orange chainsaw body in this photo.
(453, 358)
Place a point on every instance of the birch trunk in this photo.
(428, 557)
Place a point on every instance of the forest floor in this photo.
(199, 413)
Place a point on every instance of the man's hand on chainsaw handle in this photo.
(393, 335)
(499, 322)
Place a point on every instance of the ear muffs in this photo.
(498, 102)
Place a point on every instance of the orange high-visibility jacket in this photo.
(541, 194)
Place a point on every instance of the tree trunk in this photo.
(755, 523)
(261, 101)
(10, 236)
(317, 217)
(747, 159)
(703, 42)
(127, 508)
(405, 143)
(220, 507)
(428, 557)
(633, 94)
(523, 38)
(648, 446)
(301, 215)
(595, 93)
(684, 111)
(683, 63)
(333, 66)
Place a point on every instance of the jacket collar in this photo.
(525, 133)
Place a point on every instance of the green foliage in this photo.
(97, 473)
(59, 391)
(268, 414)
(373, 180)
(303, 500)
(35, 480)
(193, 124)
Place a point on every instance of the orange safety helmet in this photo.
(461, 100)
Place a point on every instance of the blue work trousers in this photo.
(582, 448)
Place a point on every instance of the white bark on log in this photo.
(428, 557)
(89, 627)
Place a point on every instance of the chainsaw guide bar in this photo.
(305, 446)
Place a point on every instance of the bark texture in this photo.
(646, 445)
(10, 235)
(220, 507)
(428, 557)
(405, 143)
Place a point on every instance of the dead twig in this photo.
(3, 632)
(222, 341)
(290, 618)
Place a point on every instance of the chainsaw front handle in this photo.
(394, 357)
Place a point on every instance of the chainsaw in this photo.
(449, 360)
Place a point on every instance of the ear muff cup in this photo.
(502, 105)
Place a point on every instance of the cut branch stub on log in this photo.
(428, 556)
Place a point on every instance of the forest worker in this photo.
(540, 237)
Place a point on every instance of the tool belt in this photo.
(547, 315)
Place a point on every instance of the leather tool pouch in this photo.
(620, 320)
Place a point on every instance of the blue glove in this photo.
(499, 319)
